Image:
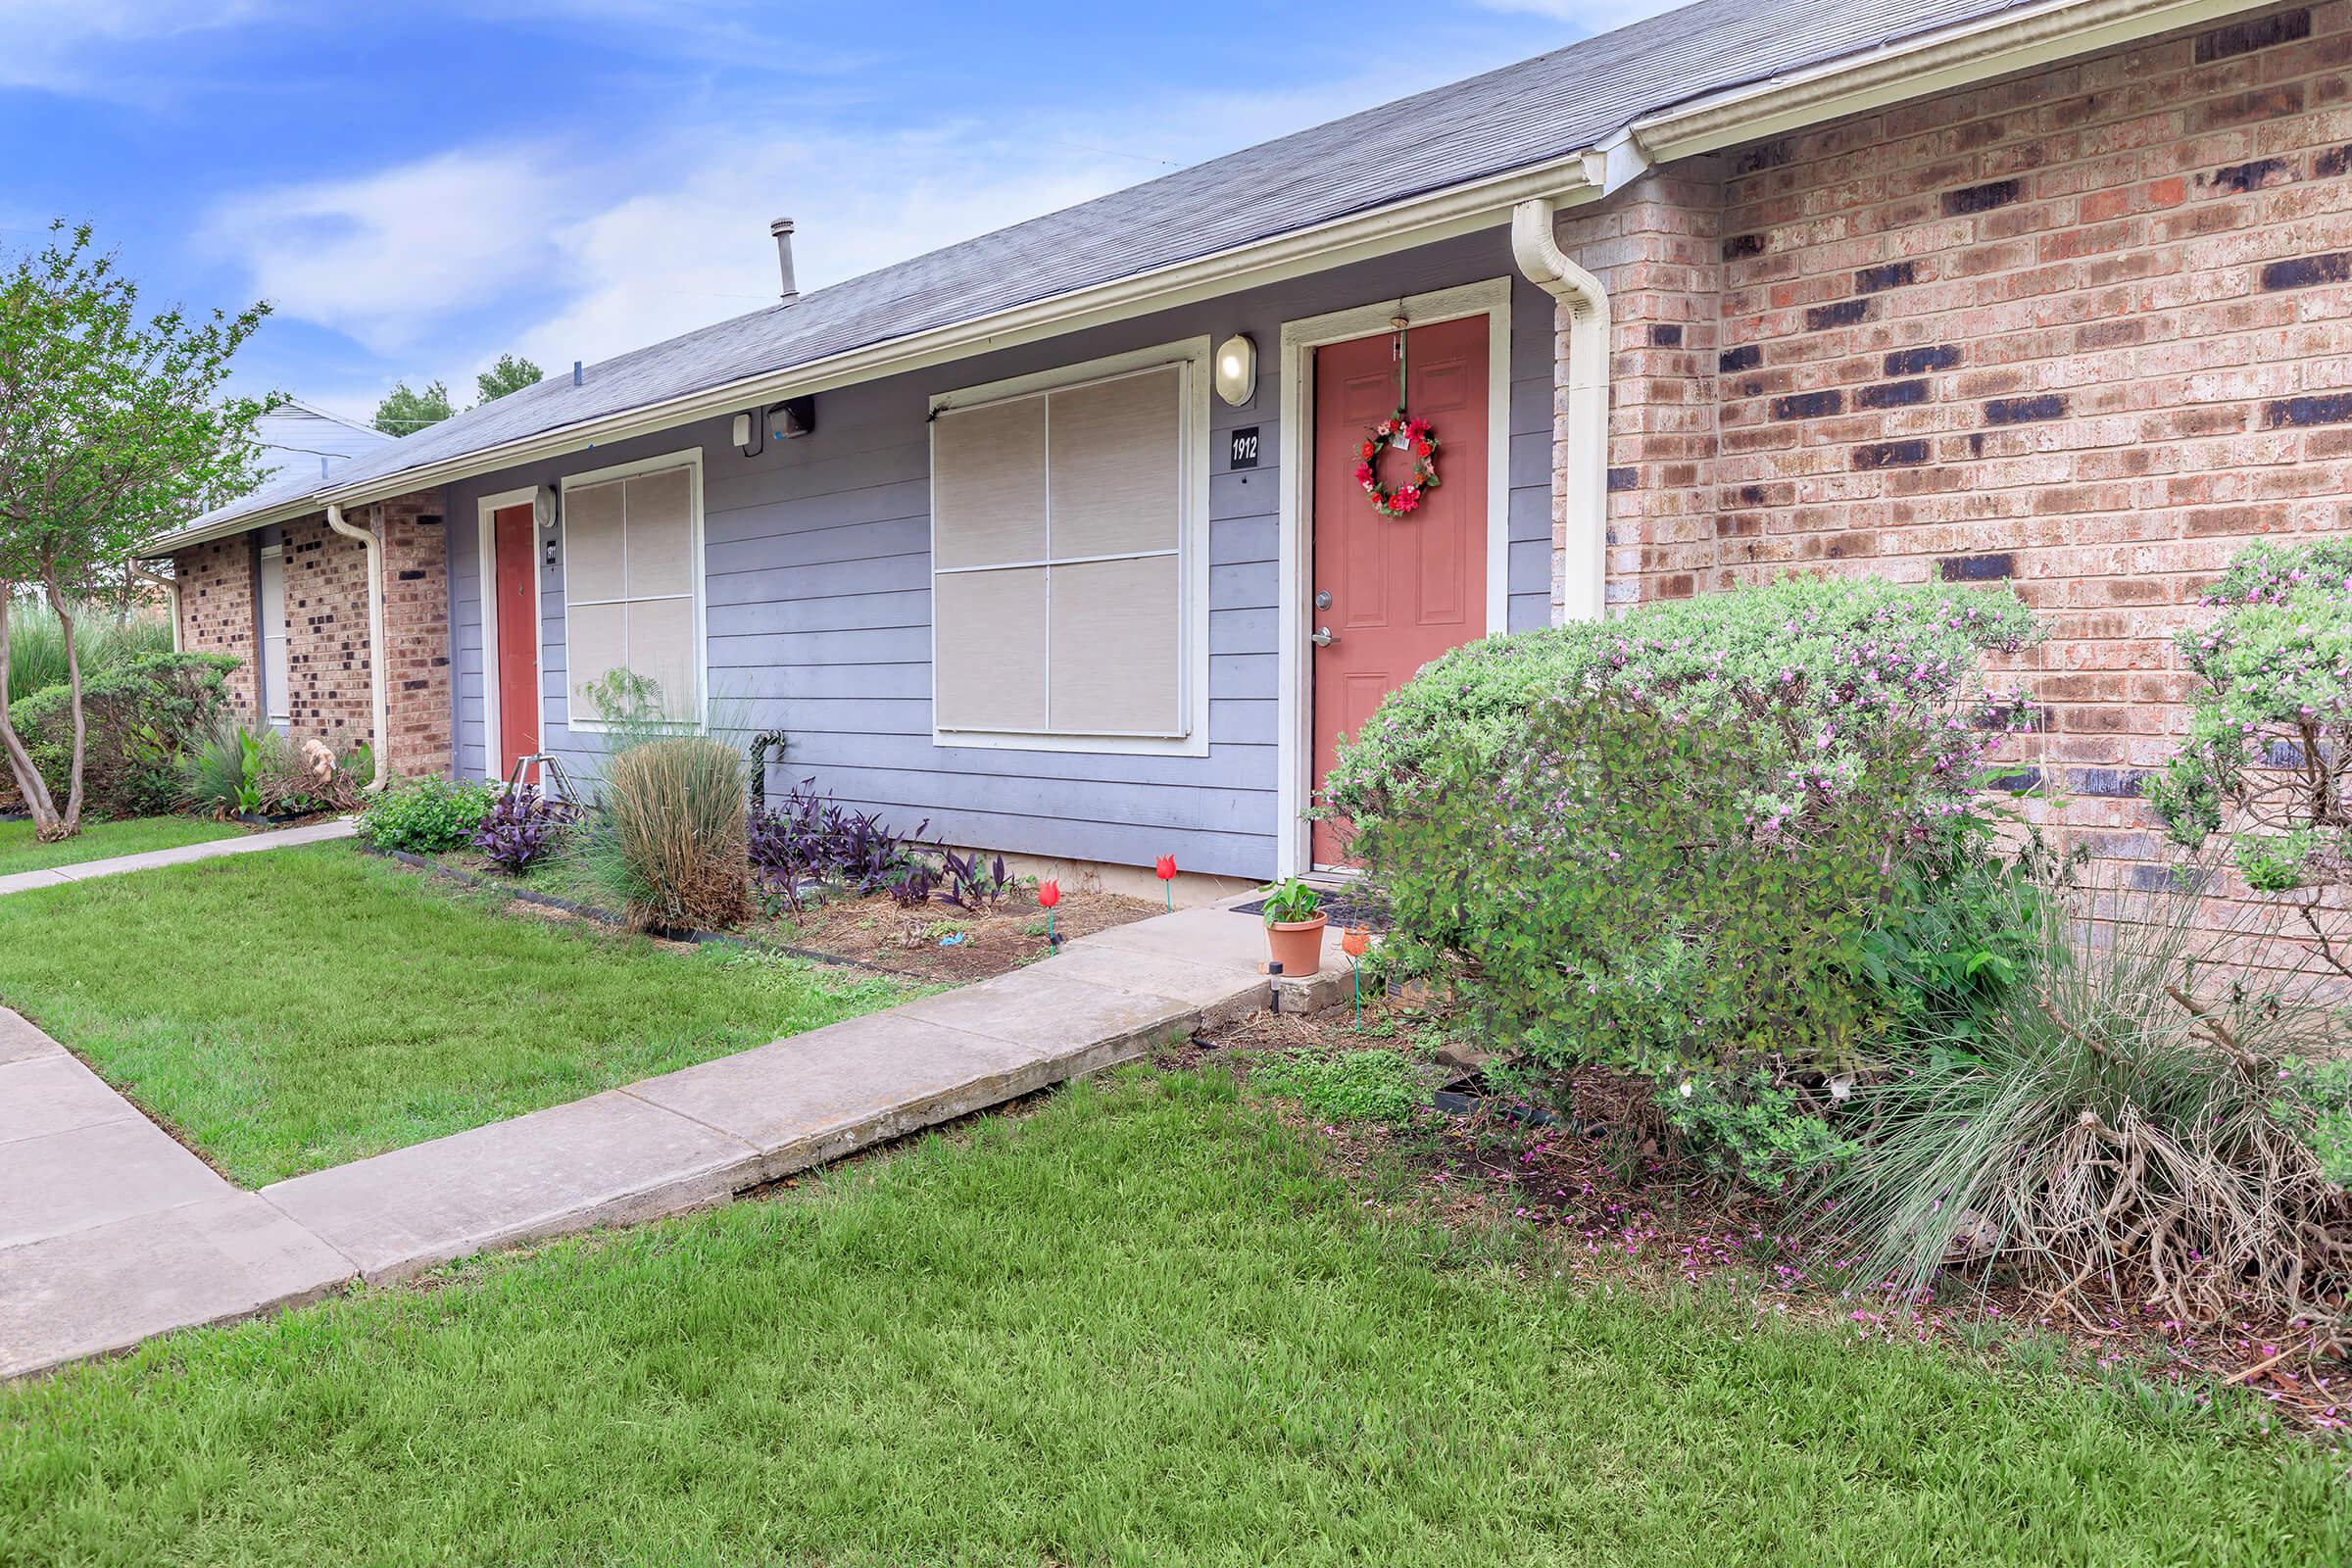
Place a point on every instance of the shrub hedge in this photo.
(2271, 719)
(143, 715)
(1722, 841)
(427, 815)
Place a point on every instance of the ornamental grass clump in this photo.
(672, 834)
(2124, 1128)
(1698, 844)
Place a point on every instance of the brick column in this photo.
(1655, 247)
(326, 633)
(417, 631)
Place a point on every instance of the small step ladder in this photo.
(554, 782)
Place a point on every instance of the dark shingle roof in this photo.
(1523, 114)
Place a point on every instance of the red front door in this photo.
(1394, 592)
(518, 590)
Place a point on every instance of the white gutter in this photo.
(1585, 486)
(379, 676)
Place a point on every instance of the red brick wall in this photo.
(2088, 329)
(328, 664)
(1656, 248)
(217, 612)
(327, 673)
(417, 631)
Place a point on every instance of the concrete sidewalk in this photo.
(276, 839)
(113, 1233)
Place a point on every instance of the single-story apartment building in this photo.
(1057, 538)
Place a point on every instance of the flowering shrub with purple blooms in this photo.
(523, 828)
(1677, 843)
(2270, 731)
(1831, 664)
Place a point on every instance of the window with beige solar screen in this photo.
(629, 583)
(1058, 555)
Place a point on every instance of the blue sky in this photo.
(419, 186)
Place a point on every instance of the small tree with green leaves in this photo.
(511, 373)
(406, 411)
(2268, 761)
(112, 428)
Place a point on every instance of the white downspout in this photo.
(171, 588)
(1584, 503)
(378, 675)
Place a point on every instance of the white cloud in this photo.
(572, 256)
(695, 247)
(386, 255)
(61, 45)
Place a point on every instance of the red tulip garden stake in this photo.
(1165, 870)
(1049, 894)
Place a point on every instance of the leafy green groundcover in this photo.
(21, 850)
(303, 1007)
(1142, 1326)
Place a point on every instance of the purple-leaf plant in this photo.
(523, 828)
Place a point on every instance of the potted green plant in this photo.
(1295, 922)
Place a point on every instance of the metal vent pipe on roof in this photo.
(782, 229)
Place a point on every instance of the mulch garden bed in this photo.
(939, 942)
(933, 943)
(1612, 1203)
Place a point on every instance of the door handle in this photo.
(1322, 637)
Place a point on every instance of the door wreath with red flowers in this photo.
(1413, 436)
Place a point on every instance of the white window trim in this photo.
(1293, 848)
(691, 458)
(485, 533)
(1192, 355)
(277, 698)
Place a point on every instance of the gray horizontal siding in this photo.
(818, 594)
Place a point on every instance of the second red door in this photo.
(1394, 593)
(517, 586)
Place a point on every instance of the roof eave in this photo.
(1957, 56)
(1965, 53)
(1423, 220)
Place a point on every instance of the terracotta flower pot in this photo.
(1298, 944)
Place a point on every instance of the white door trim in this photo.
(485, 534)
(1295, 693)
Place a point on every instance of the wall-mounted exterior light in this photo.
(1236, 369)
(797, 417)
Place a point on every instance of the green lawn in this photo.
(19, 851)
(303, 1007)
(1142, 1326)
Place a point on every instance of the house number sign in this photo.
(1245, 448)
